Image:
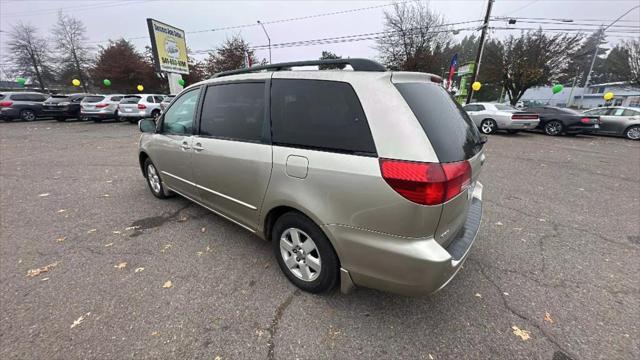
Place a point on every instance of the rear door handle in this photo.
(185, 146)
(198, 147)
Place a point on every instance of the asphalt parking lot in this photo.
(553, 274)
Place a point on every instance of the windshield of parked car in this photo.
(93, 99)
(505, 107)
(130, 100)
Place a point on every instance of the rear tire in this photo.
(633, 132)
(304, 253)
(152, 174)
(488, 126)
(27, 115)
(553, 128)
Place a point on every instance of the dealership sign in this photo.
(169, 47)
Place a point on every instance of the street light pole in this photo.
(595, 54)
(485, 27)
(268, 39)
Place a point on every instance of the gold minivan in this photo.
(358, 176)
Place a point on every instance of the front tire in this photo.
(553, 128)
(27, 115)
(488, 126)
(304, 253)
(633, 132)
(153, 179)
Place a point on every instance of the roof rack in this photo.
(356, 64)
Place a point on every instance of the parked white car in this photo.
(140, 106)
(491, 117)
(100, 107)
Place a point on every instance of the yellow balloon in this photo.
(608, 96)
(476, 86)
(75, 82)
(140, 87)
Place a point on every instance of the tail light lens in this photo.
(100, 106)
(426, 183)
(6, 103)
(586, 120)
(142, 106)
(524, 117)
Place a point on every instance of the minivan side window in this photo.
(233, 111)
(319, 114)
(178, 119)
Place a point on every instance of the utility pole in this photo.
(485, 26)
(595, 54)
(268, 39)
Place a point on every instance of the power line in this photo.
(557, 19)
(279, 21)
(573, 24)
(560, 29)
(74, 9)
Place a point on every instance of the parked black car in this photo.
(21, 105)
(62, 107)
(556, 121)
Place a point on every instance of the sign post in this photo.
(169, 49)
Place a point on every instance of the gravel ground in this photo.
(557, 258)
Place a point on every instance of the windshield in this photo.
(452, 134)
(93, 99)
(130, 100)
(505, 107)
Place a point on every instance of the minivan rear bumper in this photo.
(406, 266)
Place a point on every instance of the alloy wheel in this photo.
(487, 126)
(28, 116)
(153, 178)
(553, 128)
(300, 254)
(634, 133)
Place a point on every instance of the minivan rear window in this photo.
(130, 100)
(448, 127)
(93, 99)
(319, 114)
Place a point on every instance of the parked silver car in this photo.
(166, 101)
(136, 107)
(618, 120)
(365, 177)
(100, 107)
(490, 117)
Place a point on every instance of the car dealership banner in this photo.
(169, 47)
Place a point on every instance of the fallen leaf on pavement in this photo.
(168, 284)
(542, 220)
(121, 265)
(137, 270)
(132, 227)
(79, 320)
(38, 271)
(155, 333)
(182, 219)
(199, 253)
(107, 245)
(430, 357)
(117, 232)
(208, 249)
(165, 248)
(61, 239)
(523, 334)
(204, 229)
(44, 279)
(92, 231)
(109, 181)
(44, 194)
(478, 295)
(547, 317)
(62, 210)
(499, 223)
(104, 195)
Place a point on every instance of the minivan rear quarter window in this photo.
(449, 129)
(318, 114)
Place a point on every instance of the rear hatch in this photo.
(56, 103)
(129, 104)
(89, 103)
(458, 145)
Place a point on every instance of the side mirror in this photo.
(147, 126)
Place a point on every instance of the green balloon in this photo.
(557, 88)
(181, 82)
(21, 81)
(106, 82)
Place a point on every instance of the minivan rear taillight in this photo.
(426, 183)
(6, 103)
(142, 106)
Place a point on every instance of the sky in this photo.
(109, 19)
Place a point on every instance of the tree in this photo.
(533, 59)
(197, 70)
(29, 54)
(123, 65)
(581, 58)
(74, 55)
(633, 47)
(229, 56)
(328, 55)
(414, 38)
(616, 66)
